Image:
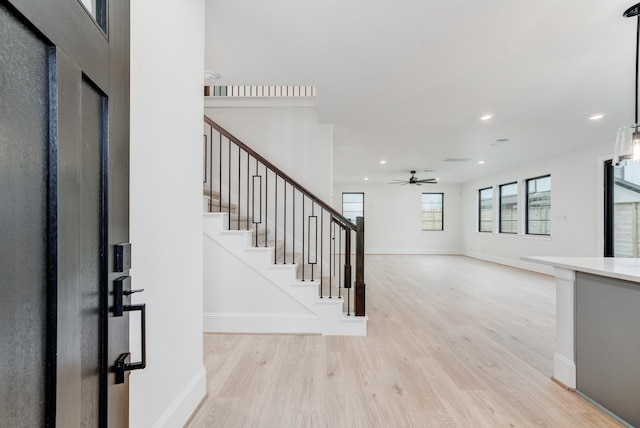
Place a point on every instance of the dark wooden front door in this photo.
(64, 178)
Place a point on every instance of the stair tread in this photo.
(208, 192)
(214, 206)
(216, 203)
(244, 223)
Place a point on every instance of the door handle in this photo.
(121, 288)
(121, 366)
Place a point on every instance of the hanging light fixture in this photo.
(628, 139)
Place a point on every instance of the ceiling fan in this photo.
(414, 180)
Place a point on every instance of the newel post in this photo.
(360, 285)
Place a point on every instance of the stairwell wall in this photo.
(167, 62)
(289, 137)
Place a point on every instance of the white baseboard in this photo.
(348, 326)
(564, 370)
(262, 323)
(414, 251)
(534, 267)
(185, 403)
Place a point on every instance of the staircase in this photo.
(277, 259)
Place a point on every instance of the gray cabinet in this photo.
(608, 343)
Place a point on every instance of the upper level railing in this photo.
(281, 213)
(259, 91)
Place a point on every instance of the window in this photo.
(485, 207)
(622, 209)
(432, 211)
(98, 10)
(539, 206)
(509, 208)
(353, 205)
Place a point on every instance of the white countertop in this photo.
(627, 269)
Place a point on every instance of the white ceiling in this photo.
(407, 81)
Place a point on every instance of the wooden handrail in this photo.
(339, 217)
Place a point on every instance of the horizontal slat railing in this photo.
(303, 229)
(233, 91)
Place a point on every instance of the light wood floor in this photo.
(452, 342)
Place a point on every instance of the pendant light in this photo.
(628, 139)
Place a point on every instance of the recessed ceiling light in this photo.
(366, 178)
(486, 116)
(596, 117)
(480, 162)
(382, 162)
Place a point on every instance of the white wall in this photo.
(289, 137)
(167, 62)
(576, 211)
(238, 298)
(392, 214)
(230, 288)
(393, 218)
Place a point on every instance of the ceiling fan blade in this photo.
(414, 180)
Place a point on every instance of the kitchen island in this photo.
(598, 330)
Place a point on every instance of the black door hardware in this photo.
(121, 288)
(121, 366)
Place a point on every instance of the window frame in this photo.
(480, 210)
(526, 196)
(609, 209)
(500, 187)
(422, 210)
(342, 204)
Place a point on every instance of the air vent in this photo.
(499, 142)
(457, 159)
